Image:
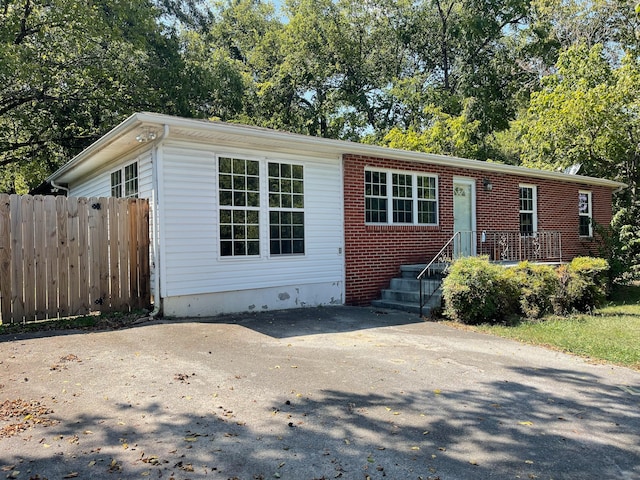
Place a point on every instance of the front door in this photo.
(464, 207)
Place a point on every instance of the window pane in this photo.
(226, 249)
(225, 181)
(526, 223)
(253, 168)
(224, 165)
(583, 203)
(402, 211)
(225, 198)
(585, 223)
(239, 166)
(116, 183)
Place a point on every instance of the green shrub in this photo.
(477, 291)
(589, 288)
(538, 285)
(583, 285)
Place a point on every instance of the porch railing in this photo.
(499, 246)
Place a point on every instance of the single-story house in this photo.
(248, 219)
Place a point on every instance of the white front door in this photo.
(464, 216)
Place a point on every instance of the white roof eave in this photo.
(121, 139)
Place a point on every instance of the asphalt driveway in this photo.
(350, 393)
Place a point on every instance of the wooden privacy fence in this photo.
(66, 256)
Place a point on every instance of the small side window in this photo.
(585, 218)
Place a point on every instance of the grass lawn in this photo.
(611, 334)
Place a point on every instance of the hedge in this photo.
(478, 291)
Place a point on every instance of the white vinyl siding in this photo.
(99, 184)
(192, 261)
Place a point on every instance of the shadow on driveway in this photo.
(314, 394)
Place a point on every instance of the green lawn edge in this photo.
(610, 334)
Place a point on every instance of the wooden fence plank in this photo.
(123, 251)
(40, 257)
(17, 278)
(133, 253)
(94, 254)
(143, 253)
(73, 230)
(51, 235)
(103, 272)
(115, 299)
(5, 259)
(83, 256)
(28, 257)
(63, 257)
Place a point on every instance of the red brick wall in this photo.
(374, 253)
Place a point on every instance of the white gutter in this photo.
(59, 187)
(156, 160)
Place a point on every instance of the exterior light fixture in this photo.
(488, 186)
(146, 135)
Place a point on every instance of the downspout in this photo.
(156, 155)
(59, 187)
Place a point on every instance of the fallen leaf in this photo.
(437, 391)
(415, 448)
(190, 439)
(526, 423)
(529, 462)
(71, 475)
(92, 463)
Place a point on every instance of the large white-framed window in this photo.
(239, 200)
(528, 210)
(286, 208)
(400, 198)
(124, 181)
(260, 197)
(585, 214)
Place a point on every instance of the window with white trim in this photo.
(400, 198)
(286, 209)
(585, 218)
(375, 197)
(124, 181)
(528, 210)
(239, 199)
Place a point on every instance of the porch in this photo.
(418, 288)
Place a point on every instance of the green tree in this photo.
(70, 70)
(588, 113)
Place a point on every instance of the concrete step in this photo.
(412, 271)
(403, 306)
(400, 295)
(413, 285)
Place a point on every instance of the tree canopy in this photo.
(544, 83)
